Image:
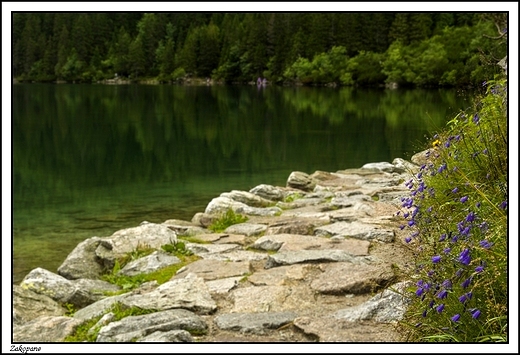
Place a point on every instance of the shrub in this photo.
(457, 218)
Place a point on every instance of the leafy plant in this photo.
(176, 248)
(457, 217)
(227, 219)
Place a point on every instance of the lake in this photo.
(89, 160)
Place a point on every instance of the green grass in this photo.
(227, 219)
(456, 216)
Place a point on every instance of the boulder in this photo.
(127, 240)
(310, 256)
(247, 198)
(81, 263)
(247, 229)
(150, 263)
(383, 166)
(189, 293)
(387, 306)
(214, 269)
(221, 205)
(29, 305)
(301, 181)
(56, 287)
(268, 192)
(135, 328)
(46, 329)
(364, 231)
(256, 323)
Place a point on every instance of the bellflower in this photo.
(442, 237)
(463, 199)
(476, 118)
(470, 217)
(466, 283)
(475, 313)
(465, 297)
(485, 244)
(447, 284)
(440, 308)
(503, 205)
(464, 257)
(455, 190)
(442, 294)
(479, 269)
(447, 250)
(436, 259)
(456, 317)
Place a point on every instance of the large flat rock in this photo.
(310, 256)
(358, 230)
(215, 269)
(255, 323)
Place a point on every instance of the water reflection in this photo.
(92, 159)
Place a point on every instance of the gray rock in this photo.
(127, 240)
(96, 288)
(184, 228)
(172, 336)
(256, 323)
(388, 306)
(223, 286)
(247, 198)
(56, 287)
(150, 263)
(235, 256)
(106, 319)
(423, 157)
(220, 205)
(137, 327)
(358, 230)
(248, 229)
(301, 181)
(347, 278)
(189, 293)
(301, 226)
(81, 263)
(98, 308)
(383, 166)
(215, 269)
(405, 165)
(280, 275)
(46, 329)
(203, 219)
(259, 299)
(268, 192)
(309, 256)
(28, 305)
(201, 249)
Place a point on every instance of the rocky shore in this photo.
(319, 260)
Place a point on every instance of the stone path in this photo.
(317, 260)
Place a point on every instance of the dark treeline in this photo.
(422, 49)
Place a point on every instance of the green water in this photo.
(89, 160)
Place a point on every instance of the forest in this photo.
(349, 49)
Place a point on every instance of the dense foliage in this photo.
(457, 216)
(423, 49)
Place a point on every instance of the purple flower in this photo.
(465, 297)
(447, 284)
(503, 205)
(455, 190)
(464, 257)
(442, 168)
(401, 227)
(419, 175)
(447, 144)
(436, 259)
(405, 215)
(485, 244)
(442, 237)
(477, 205)
(447, 250)
(419, 291)
(465, 231)
(408, 239)
(456, 317)
(479, 269)
(476, 118)
(432, 303)
(443, 294)
(440, 308)
(411, 223)
(463, 199)
(485, 151)
(475, 313)
(458, 273)
(430, 209)
(470, 217)
(424, 313)
(466, 283)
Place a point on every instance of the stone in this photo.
(309, 256)
(138, 327)
(247, 198)
(406, 166)
(200, 249)
(328, 330)
(190, 293)
(28, 305)
(256, 323)
(301, 181)
(150, 263)
(259, 299)
(383, 166)
(98, 308)
(203, 219)
(279, 276)
(223, 286)
(56, 287)
(220, 205)
(127, 240)
(46, 329)
(172, 336)
(358, 230)
(235, 256)
(301, 226)
(268, 192)
(247, 229)
(184, 228)
(215, 269)
(387, 306)
(81, 263)
(422, 157)
(348, 278)
(96, 288)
